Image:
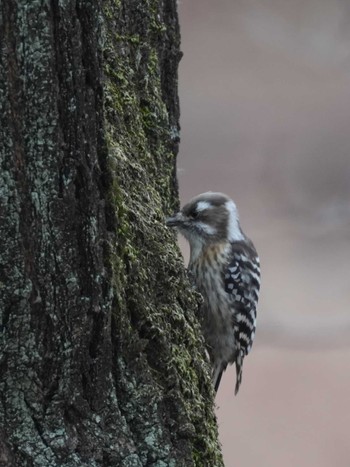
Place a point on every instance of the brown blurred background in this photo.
(265, 100)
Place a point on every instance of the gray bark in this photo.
(101, 358)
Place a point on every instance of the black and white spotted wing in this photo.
(242, 282)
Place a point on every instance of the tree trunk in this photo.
(101, 358)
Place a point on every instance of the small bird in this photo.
(225, 268)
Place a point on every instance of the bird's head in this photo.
(207, 218)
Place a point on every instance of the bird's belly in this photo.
(219, 338)
(216, 319)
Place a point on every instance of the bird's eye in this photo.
(194, 214)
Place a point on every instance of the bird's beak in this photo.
(175, 221)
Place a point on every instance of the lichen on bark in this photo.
(143, 146)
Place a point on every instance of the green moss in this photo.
(156, 306)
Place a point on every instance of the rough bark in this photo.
(101, 358)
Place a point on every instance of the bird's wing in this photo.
(242, 283)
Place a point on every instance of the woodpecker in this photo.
(226, 270)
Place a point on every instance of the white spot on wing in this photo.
(244, 337)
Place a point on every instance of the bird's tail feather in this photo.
(217, 381)
(239, 371)
(216, 376)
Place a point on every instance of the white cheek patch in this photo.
(234, 232)
(203, 205)
(208, 229)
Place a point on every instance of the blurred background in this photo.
(265, 116)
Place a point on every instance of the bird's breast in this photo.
(207, 272)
